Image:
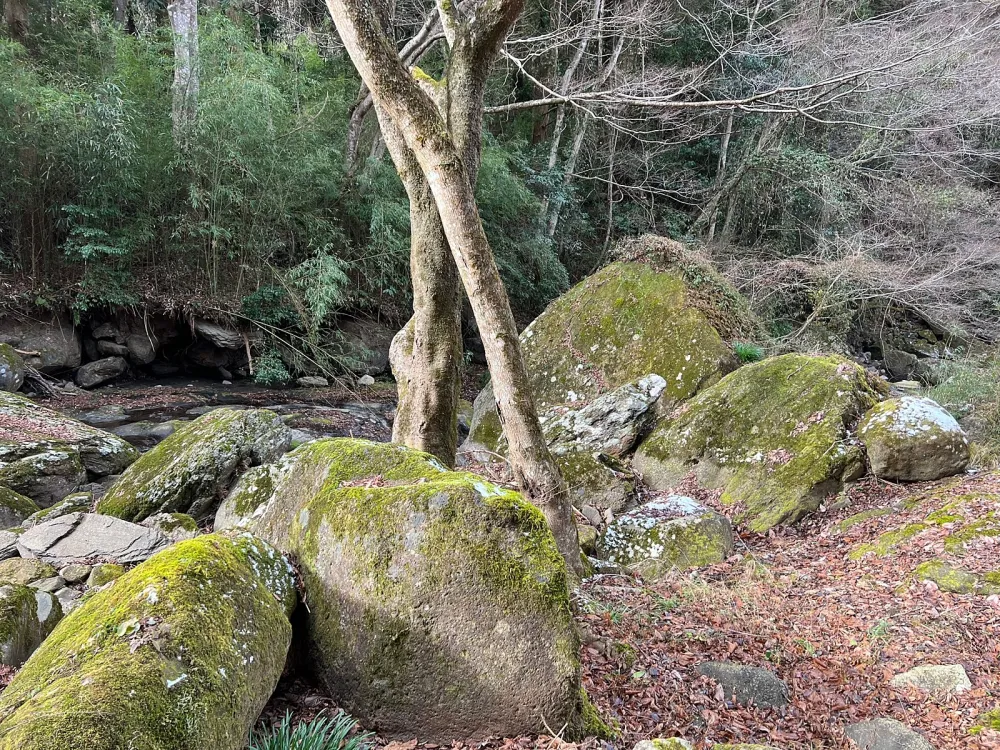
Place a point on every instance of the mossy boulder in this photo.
(11, 369)
(191, 470)
(176, 527)
(438, 603)
(77, 502)
(14, 508)
(45, 455)
(27, 616)
(912, 439)
(776, 436)
(181, 653)
(671, 533)
(628, 320)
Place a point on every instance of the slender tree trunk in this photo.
(15, 17)
(184, 23)
(415, 114)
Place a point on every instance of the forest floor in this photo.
(793, 601)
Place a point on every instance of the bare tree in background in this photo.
(184, 25)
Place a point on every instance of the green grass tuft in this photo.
(748, 353)
(322, 733)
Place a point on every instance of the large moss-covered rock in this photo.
(670, 533)
(27, 616)
(14, 508)
(53, 342)
(11, 369)
(661, 313)
(181, 653)
(46, 455)
(190, 470)
(438, 603)
(912, 439)
(775, 436)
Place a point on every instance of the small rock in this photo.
(75, 573)
(673, 743)
(8, 544)
(51, 585)
(886, 734)
(366, 380)
(227, 382)
(69, 599)
(78, 537)
(593, 515)
(96, 373)
(746, 685)
(174, 526)
(24, 570)
(103, 573)
(26, 618)
(933, 678)
(676, 532)
(315, 381)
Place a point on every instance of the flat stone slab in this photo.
(88, 537)
(746, 685)
(886, 734)
(933, 678)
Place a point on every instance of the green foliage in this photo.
(748, 352)
(322, 733)
(269, 369)
(971, 392)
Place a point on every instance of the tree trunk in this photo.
(410, 108)
(184, 23)
(15, 17)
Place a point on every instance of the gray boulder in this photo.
(78, 502)
(218, 335)
(365, 346)
(886, 734)
(177, 527)
(141, 349)
(110, 349)
(745, 685)
(911, 439)
(53, 341)
(88, 538)
(191, 469)
(312, 381)
(181, 652)
(11, 369)
(27, 616)
(101, 371)
(24, 570)
(675, 532)
(8, 544)
(44, 476)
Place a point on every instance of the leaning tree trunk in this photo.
(416, 116)
(184, 23)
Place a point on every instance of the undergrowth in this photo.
(322, 733)
(972, 393)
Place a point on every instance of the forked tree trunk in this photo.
(184, 24)
(416, 116)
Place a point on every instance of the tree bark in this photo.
(410, 108)
(184, 24)
(15, 17)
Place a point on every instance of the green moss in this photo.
(948, 578)
(987, 720)
(103, 573)
(773, 435)
(15, 506)
(186, 472)
(406, 563)
(592, 725)
(183, 651)
(179, 521)
(888, 541)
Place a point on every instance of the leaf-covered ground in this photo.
(836, 629)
